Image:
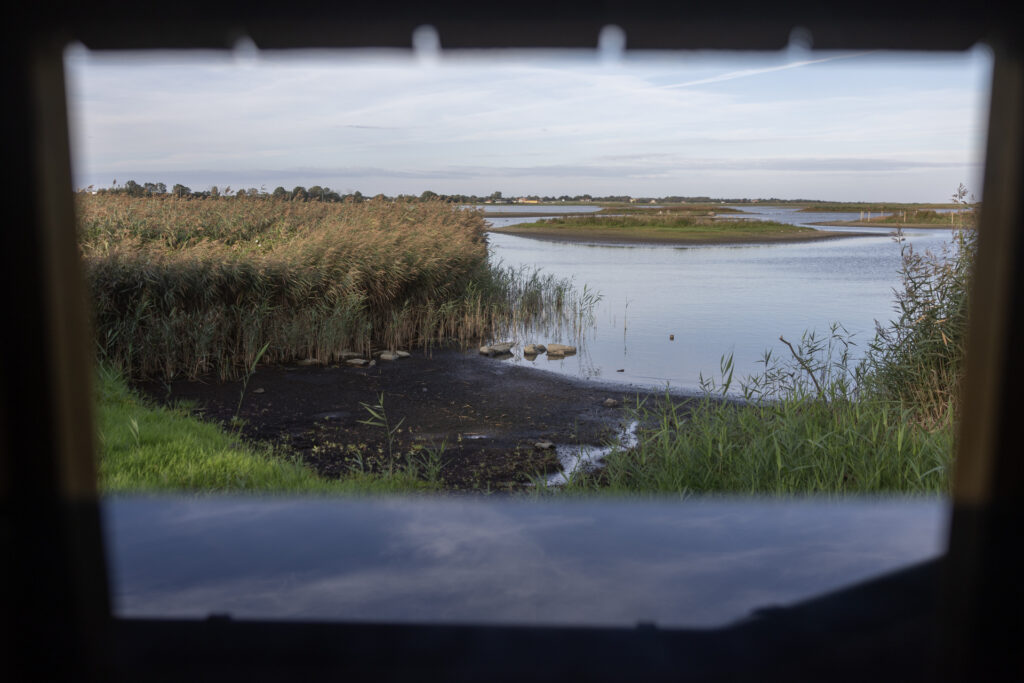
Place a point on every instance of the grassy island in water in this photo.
(664, 229)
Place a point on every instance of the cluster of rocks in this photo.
(391, 355)
(554, 350)
(357, 360)
(499, 349)
(530, 351)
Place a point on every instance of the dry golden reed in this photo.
(190, 287)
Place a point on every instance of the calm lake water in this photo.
(714, 300)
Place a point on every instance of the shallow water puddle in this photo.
(582, 458)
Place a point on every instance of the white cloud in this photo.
(746, 73)
(400, 124)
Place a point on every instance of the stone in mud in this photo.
(497, 349)
(544, 445)
(348, 355)
(258, 390)
(402, 354)
(610, 403)
(357, 362)
(563, 349)
(534, 349)
(388, 355)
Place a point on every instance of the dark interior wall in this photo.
(744, 24)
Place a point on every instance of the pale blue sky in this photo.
(792, 124)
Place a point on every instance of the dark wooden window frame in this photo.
(54, 578)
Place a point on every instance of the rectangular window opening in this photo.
(304, 267)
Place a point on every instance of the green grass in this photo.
(143, 447)
(794, 446)
(679, 228)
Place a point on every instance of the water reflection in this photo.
(703, 564)
(668, 314)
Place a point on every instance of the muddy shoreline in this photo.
(487, 414)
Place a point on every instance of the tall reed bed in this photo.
(187, 288)
(917, 359)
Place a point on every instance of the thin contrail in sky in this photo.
(755, 72)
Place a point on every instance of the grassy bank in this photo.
(665, 229)
(144, 447)
(692, 210)
(784, 434)
(190, 287)
(912, 218)
(848, 207)
(812, 422)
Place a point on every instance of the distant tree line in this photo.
(318, 193)
(299, 193)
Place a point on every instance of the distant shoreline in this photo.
(630, 237)
(535, 214)
(879, 224)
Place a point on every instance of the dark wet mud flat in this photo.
(488, 415)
